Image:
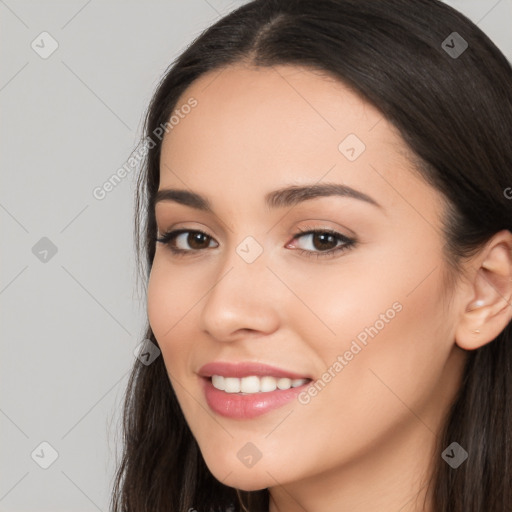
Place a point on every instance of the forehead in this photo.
(261, 128)
(277, 106)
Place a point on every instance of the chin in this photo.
(240, 477)
(248, 481)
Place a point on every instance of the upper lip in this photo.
(245, 369)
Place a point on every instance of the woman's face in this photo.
(358, 307)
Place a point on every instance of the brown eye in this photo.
(321, 242)
(197, 240)
(324, 241)
(186, 240)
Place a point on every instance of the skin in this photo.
(366, 441)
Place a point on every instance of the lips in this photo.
(246, 369)
(244, 406)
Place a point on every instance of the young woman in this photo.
(326, 218)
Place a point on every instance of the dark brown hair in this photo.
(455, 114)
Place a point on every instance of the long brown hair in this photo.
(454, 111)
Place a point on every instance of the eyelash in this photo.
(348, 243)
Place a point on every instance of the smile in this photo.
(254, 384)
(245, 389)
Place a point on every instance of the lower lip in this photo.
(244, 407)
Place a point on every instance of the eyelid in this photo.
(347, 242)
(174, 233)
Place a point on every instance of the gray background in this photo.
(71, 322)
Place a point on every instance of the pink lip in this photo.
(246, 369)
(240, 406)
(244, 407)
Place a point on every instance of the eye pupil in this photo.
(194, 240)
(325, 238)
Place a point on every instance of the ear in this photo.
(487, 309)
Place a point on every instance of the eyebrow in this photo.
(283, 197)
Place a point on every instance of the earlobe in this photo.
(489, 308)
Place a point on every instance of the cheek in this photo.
(160, 301)
(169, 303)
(171, 295)
(390, 331)
(386, 359)
(175, 295)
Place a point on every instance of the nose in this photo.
(244, 299)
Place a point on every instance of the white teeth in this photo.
(284, 383)
(254, 384)
(268, 384)
(250, 384)
(218, 382)
(231, 385)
